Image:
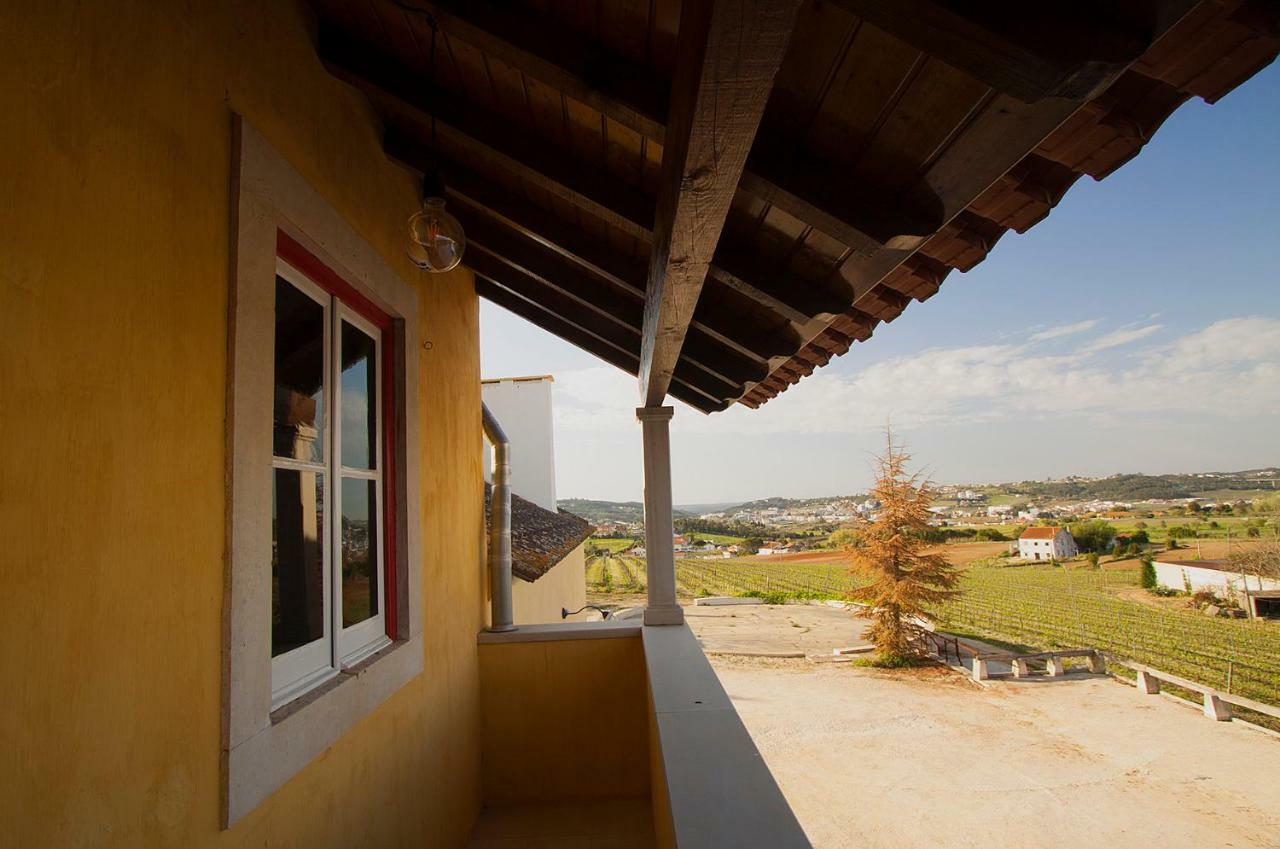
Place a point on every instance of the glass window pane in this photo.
(359, 551)
(299, 375)
(297, 559)
(359, 399)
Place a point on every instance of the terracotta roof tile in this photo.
(1039, 533)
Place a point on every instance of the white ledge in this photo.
(554, 631)
(720, 791)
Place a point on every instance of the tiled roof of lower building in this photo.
(540, 538)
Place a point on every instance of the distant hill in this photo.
(1123, 487)
(796, 503)
(597, 512)
(1130, 487)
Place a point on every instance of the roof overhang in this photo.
(720, 200)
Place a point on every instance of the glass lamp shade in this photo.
(436, 240)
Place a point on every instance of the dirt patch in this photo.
(918, 758)
(808, 629)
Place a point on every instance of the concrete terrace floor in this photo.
(809, 629)
(926, 758)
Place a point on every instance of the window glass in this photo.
(297, 559)
(359, 551)
(299, 375)
(359, 386)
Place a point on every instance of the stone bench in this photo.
(1053, 662)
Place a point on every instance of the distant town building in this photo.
(999, 510)
(1046, 544)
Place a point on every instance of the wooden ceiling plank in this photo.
(808, 196)
(545, 50)
(862, 216)
(728, 54)
(365, 67)
(1055, 48)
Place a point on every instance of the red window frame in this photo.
(292, 252)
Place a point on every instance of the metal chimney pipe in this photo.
(499, 525)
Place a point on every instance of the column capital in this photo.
(650, 414)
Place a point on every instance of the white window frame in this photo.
(304, 668)
(363, 639)
(266, 740)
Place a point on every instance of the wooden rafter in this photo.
(585, 339)
(1030, 51)
(728, 54)
(753, 345)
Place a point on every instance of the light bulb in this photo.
(436, 240)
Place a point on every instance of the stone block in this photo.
(1148, 683)
(1216, 708)
(980, 670)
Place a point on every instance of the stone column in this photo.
(662, 609)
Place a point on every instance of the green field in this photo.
(718, 539)
(611, 545)
(1033, 605)
(722, 576)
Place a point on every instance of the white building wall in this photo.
(1171, 575)
(522, 406)
(1061, 547)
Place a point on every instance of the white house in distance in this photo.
(547, 546)
(1047, 544)
(1261, 595)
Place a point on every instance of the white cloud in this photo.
(1123, 336)
(1063, 330)
(1230, 369)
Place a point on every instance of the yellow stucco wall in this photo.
(114, 238)
(564, 719)
(564, 585)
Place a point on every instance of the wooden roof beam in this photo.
(556, 280)
(727, 56)
(750, 346)
(1030, 51)
(624, 360)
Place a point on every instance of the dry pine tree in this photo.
(905, 578)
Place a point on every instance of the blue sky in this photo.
(1136, 329)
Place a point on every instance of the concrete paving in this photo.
(926, 758)
(799, 629)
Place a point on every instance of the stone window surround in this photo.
(261, 750)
